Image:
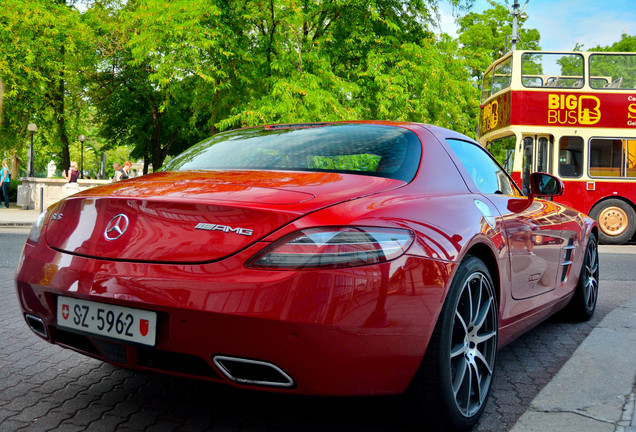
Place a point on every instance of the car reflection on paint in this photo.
(359, 258)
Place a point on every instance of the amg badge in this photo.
(224, 228)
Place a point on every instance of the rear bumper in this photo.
(357, 331)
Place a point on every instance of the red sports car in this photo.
(358, 258)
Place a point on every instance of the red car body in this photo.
(352, 330)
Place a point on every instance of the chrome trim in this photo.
(31, 319)
(116, 227)
(219, 359)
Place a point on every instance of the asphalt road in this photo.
(44, 387)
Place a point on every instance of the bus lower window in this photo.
(571, 157)
(612, 157)
(631, 158)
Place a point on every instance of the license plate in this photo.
(117, 322)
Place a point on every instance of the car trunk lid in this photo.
(189, 217)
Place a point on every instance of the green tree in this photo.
(153, 61)
(41, 57)
(348, 59)
(484, 37)
(621, 69)
(626, 44)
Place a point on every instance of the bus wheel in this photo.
(616, 220)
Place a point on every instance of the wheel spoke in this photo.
(469, 390)
(591, 266)
(476, 300)
(481, 338)
(461, 321)
(460, 376)
(477, 381)
(458, 350)
(483, 314)
(469, 294)
(479, 355)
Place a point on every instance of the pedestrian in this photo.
(126, 170)
(73, 173)
(119, 172)
(5, 178)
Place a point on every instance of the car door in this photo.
(533, 228)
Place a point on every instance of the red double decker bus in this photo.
(572, 115)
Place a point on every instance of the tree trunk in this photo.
(61, 120)
(155, 139)
(15, 164)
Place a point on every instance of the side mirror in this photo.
(545, 185)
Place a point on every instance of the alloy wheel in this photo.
(590, 275)
(473, 344)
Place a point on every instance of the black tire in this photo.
(452, 386)
(616, 220)
(583, 304)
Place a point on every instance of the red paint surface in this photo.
(358, 330)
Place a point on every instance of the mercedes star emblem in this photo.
(116, 227)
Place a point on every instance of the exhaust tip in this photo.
(253, 372)
(37, 325)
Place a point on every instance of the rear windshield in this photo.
(378, 150)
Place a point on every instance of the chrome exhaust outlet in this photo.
(37, 325)
(253, 372)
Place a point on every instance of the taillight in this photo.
(334, 247)
(36, 229)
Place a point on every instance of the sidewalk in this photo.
(16, 217)
(594, 391)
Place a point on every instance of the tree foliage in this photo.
(157, 76)
(42, 45)
(171, 72)
(485, 37)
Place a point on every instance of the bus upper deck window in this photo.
(554, 69)
(486, 86)
(530, 81)
(612, 71)
(571, 157)
(502, 76)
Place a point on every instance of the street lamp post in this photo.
(81, 139)
(31, 172)
(516, 13)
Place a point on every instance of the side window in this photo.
(612, 157)
(607, 158)
(489, 177)
(571, 157)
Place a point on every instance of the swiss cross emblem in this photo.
(143, 326)
(65, 311)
